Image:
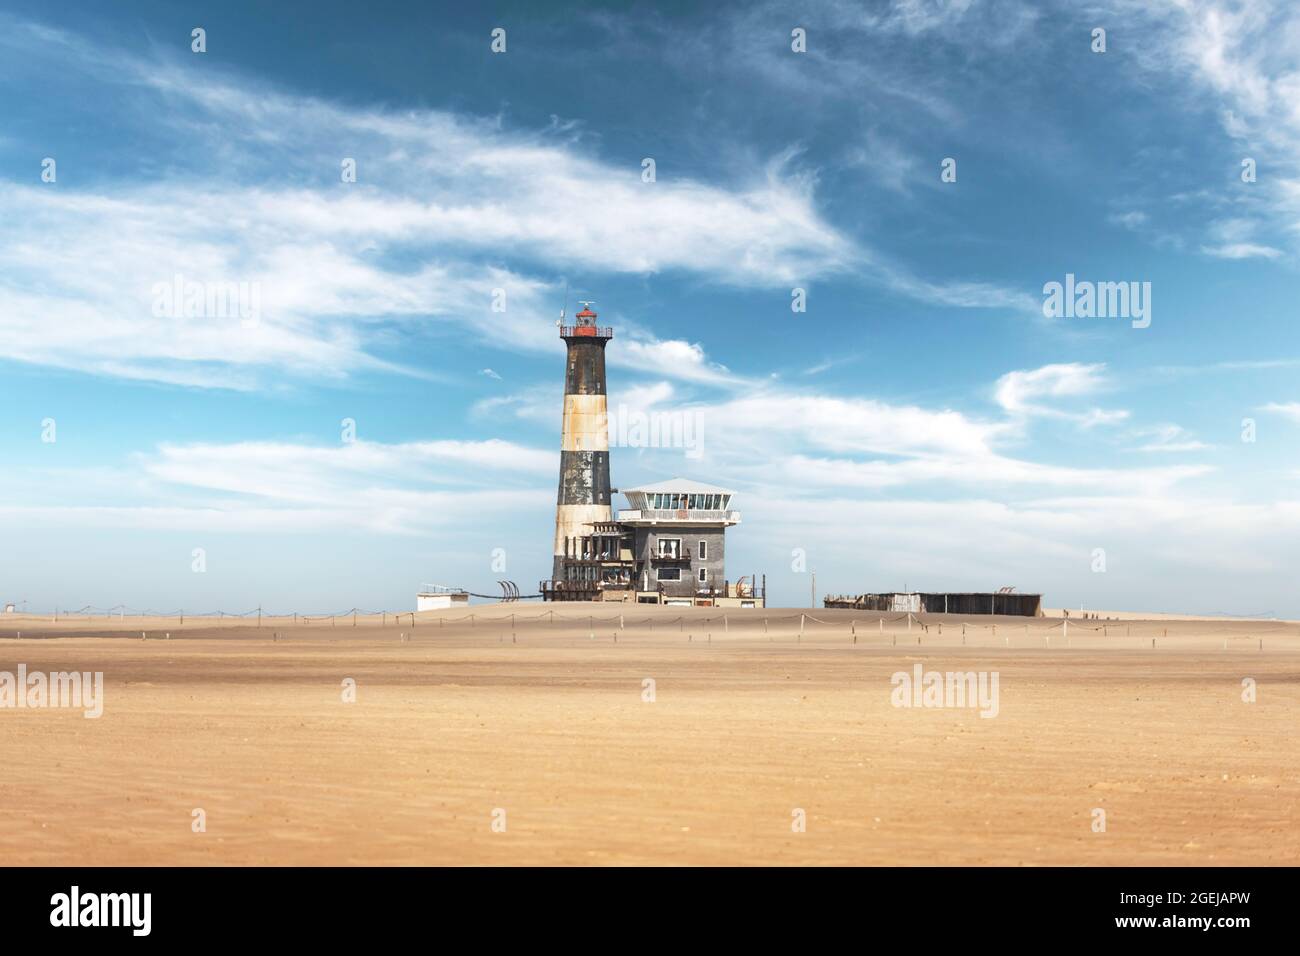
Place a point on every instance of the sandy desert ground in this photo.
(750, 723)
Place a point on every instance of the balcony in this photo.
(585, 331)
(683, 557)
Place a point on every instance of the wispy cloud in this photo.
(1167, 438)
(1022, 393)
(340, 266)
(1244, 56)
(1289, 410)
(1242, 250)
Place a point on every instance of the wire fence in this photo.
(907, 625)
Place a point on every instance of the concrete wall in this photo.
(434, 602)
(646, 546)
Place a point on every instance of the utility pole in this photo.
(813, 595)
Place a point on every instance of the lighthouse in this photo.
(584, 495)
(668, 547)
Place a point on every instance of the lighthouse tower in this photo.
(584, 495)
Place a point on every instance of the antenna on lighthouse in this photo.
(565, 304)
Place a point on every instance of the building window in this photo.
(668, 574)
(704, 550)
(670, 547)
(704, 575)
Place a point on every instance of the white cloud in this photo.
(815, 441)
(1246, 57)
(1241, 250)
(267, 486)
(1164, 553)
(1168, 438)
(341, 268)
(774, 420)
(983, 471)
(1289, 410)
(297, 472)
(1016, 390)
(1133, 219)
(1021, 392)
(683, 360)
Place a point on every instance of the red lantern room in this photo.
(585, 326)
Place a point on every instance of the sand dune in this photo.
(546, 719)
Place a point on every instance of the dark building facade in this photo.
(669, 547)
(678, 532)
(1005, 601)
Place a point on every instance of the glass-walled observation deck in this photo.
(679, 501)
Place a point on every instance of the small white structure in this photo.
(435, 597)
(10, 609)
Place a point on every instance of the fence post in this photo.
(801, 619)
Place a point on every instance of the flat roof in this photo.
(682, 486)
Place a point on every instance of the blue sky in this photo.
(922, 423)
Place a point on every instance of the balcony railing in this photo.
(667, 558)
(586, 331)
(680, 514)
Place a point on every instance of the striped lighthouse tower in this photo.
(584, 446)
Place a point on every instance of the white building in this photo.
(436, 597)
